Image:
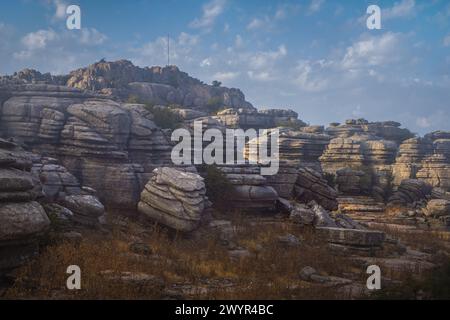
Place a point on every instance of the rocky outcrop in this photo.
(108, 146)
(387, 130)
(158, 85)
(251, 190)
(342, 153)
(22, 219)
(262, 119)
(311, 186)
(174, 198)
(411, 191)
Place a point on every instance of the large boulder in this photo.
(311, 186)
(174, 198)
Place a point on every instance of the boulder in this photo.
(311, 186)
(174, 198)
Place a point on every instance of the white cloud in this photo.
(238, 41)
(404, 8)
(309, 75)
(315, 6)
(261, 60)
(211, 11)
(39, 39)
(257, 23)
(446, 41)
(225, 76)
(423, 122)
(205, 63)
(92, 37)
(186, 39)
(60, 7)
(373, 51)
(269, 22)
(155, 52)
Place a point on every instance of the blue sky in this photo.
(314, 56)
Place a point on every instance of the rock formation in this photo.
(311, 186)
(108, 146)
(22, 219)
(174, 198)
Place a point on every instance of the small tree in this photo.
(216, 83)
(218, 188)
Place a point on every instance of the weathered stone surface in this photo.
(174, 198)
(161, 85)
(352, 182)
(353, 237)
(110, 146)
(87, 209)
(302, 214)
(437, 208)
(263, 119)
(311, 186)
(388, 130)
(251, 190)
(410, 191)
(22, 220)
(360, 205)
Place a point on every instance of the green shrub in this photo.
(214, 105)
(218, 188)
(164, 118)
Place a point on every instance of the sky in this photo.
(316, 57)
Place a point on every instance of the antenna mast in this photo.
(168, 50)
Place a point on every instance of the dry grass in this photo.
(198, 266)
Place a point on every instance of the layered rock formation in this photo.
(311, 186)
(158, 85)
(108, 146)
(174, 198)
(251, 190)
(22, 219)
(411, 191)
(262, 119)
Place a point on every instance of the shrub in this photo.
(216, 83)
(218, 188)
(214, 105)
(164, 118)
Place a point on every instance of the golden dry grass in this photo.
(193, 267)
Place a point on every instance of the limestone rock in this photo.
(410, 191)
(311, 186)
(437, 208)
(174, 198)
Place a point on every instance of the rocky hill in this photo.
(157, 85)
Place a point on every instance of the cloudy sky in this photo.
(314, 56)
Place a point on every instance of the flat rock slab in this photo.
(354, 237)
